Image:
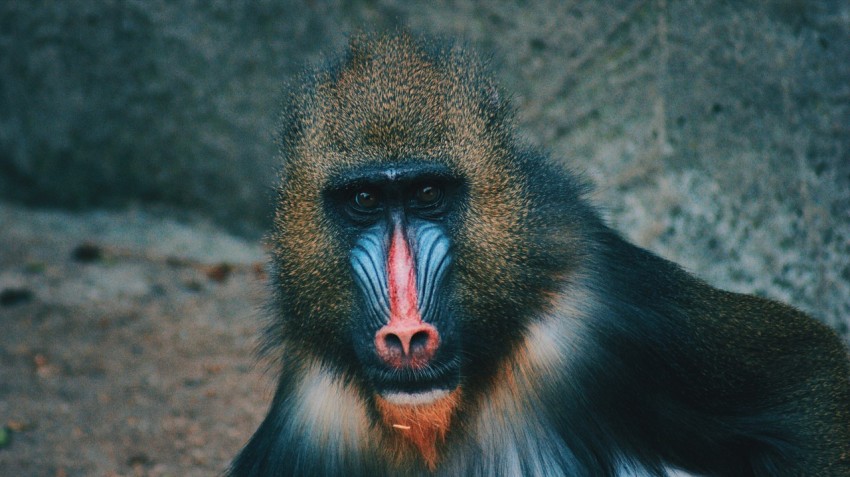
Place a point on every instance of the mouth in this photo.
(415, 386)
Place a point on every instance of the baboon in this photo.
(448, 302)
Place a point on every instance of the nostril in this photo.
(393, 343)
(419, 341)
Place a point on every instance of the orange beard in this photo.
(424, 426)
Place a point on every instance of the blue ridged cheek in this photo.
(433, 258)
(369, 264)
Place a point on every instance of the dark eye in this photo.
(365, 200)
(428, 195)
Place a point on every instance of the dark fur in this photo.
(581, 353)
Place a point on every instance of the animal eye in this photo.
(428, 195)
(365, 200)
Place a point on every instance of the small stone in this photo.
(87, 252)
(259, 270)
(219, 272)
(139, 460)
(18, 426)
(15, 296)
(43, 367)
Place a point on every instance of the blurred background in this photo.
(137, 160)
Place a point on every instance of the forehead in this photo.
(389, 103)
(391, 99)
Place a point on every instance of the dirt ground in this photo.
(126, 345)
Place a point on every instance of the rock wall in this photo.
(716, 132)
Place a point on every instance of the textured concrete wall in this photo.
(718, 133)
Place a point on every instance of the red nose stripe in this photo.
(402, 283)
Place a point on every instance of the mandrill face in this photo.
(397, 221)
